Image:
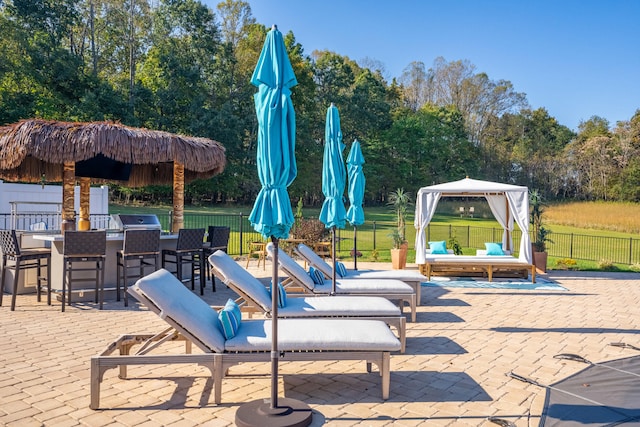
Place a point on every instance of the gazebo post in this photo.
(68, 197)
(84, 223)
(178, 197)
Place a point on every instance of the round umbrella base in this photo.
(289, 412)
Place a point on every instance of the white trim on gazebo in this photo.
(508, 203)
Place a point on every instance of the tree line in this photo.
(182, 67)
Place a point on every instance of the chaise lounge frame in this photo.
(298, 278)
(119, 354)
(244, 284)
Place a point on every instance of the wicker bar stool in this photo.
(188, 252)
(140, 250)
(80, 248)
(218, 239)
(23, 259)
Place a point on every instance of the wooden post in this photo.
(68, 196)
(84, 223)
(178, 197)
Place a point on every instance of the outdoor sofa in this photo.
(193, 321)
(480, 264)
(255, 297)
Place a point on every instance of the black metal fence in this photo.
(375, 236)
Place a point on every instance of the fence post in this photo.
(630, 250)
(170, 221)
(240, 228)
(374, 235)
(571, 246)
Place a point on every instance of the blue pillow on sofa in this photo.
(438, 248)
(494, 248)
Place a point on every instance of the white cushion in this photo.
(187, 309)
(241, 278)
(291, 267)
(337, 305)
(315, 334)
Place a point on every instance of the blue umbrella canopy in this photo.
(355, 160)
(272, 215)
(334, 174)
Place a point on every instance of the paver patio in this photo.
(453, 373)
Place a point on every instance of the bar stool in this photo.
(23, 259)
(188, 252)
(82, 247)
(140, 250)
(218, 240)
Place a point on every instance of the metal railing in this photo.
(375, 236)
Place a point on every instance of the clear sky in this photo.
(576, 58)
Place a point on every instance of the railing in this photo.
(375, 236)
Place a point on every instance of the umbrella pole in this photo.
(274, 325)
(355, 247)
(275, 412)
(333, 255)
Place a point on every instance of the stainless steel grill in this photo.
(137, 222)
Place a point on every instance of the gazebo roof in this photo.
(32, 148)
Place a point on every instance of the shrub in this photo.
(310, 229)
(605, 264)
(566, 264)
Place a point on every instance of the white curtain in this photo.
(425, 208)
(500, 210)
(519, 205)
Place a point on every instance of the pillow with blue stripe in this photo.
(341, 270)
(316, 275)
(229, 319)
(282, 295)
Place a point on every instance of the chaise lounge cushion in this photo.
(190, 311)
(309, 334)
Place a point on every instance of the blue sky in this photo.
(576, 58)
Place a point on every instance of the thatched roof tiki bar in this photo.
(33, 150)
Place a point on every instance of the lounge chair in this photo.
(387, 288)
(255, 297)
(412, 278)
(192, 320)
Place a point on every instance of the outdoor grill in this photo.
(136, 222)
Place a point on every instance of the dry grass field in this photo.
(612, 216)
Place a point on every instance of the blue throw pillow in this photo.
(494, 248)
(341, 270)
(282, 295)
(229, 319)
(316, 275)
(438, 248)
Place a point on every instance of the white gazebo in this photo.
(509, 204)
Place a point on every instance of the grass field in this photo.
(620, 220)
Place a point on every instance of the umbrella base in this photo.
(289, 412)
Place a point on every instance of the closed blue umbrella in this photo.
(355, 214)
(334, 176)
(272, 215)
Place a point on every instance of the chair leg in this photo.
(48, 280)
(201, 272)
(38, 282)
(15, 285)
(119, 260)
(3, 272)
(102, 268)
(64, 284)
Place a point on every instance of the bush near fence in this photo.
(375, 236)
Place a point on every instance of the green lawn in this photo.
(384, 221)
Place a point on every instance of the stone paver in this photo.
(453, 373)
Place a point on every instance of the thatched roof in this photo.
(31, 148)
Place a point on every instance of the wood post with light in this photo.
(178, 197)
(84, 223)
(68, 196)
